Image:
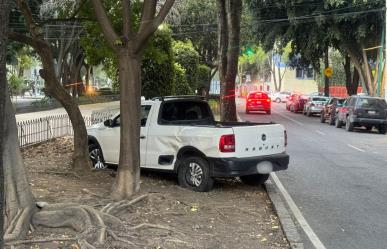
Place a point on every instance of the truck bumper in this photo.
(232, 167)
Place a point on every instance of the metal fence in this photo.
(38, 130)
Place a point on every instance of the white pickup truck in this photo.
(180, 135)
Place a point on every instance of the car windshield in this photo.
(372, 103)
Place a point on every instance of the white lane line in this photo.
(297, 214)
(356, 148)
(293, 120)
(320, 132)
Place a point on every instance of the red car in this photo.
(298, 102)
(258, 101)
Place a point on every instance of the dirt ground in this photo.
(232, 215)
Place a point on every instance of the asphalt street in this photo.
(338, 179)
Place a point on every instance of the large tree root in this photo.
(15, 228)
(93, 226)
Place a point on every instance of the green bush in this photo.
(182, 86)
(188, 58)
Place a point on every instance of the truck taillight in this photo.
(227, 143)
(286, 138)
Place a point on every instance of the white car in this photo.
(180, 135)
(280, 96)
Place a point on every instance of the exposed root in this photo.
(36, 241)
(15, 227)
(117, 208)
(114, 236)
(85, 190)
(89, 222)
(148, 225)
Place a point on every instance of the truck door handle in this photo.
(142, 137)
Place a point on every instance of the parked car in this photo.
(258, 101)
(314, 105)
(179, 135)
(280, 96)
(364, 111)
(298, 102)
(289, 100)
(328, 112)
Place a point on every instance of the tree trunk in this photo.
(355, 81)
(229, 35)
(326, 82)
(4, 18)
(19, 201)
(127, 181)
(348, 74)
(81, 160)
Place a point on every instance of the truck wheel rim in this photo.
(195, 174)
(95, 156)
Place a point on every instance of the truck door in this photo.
(145, 109)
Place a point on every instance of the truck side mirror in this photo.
(108, 122)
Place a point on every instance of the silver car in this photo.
(280, 96)
(314, 105)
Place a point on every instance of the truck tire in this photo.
(254, 180)
(382, 129)
(96, 157)
(194, 174)
(338, 123)
(348, 125)
(332, 119)
(278, 100)
(322, 117)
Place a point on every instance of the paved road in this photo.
(338, 179)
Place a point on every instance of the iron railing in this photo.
(38, 130)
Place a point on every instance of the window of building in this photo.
(299, 73)
(310, 73)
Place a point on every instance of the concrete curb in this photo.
(287, 223)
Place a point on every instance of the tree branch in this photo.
(149, 23)
(17, 37)
(126, 18)
(106, 26)
(27, 14)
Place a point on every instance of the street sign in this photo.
(328, 72)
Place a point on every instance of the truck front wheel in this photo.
(194, 174)
(255, 180)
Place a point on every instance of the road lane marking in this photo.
(293, 120)
(297, 214)
(356, 148)
(320, 132)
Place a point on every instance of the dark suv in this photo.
(328, 112)
(363, 111)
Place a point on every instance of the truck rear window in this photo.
(174, 112)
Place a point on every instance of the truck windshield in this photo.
(185, 112)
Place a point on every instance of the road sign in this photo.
(328, 72)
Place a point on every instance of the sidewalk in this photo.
(86, 110)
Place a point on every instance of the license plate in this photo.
(258, 102)
(372, 112)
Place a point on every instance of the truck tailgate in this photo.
(259, 140)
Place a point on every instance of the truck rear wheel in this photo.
(194, 174)
(255, 180)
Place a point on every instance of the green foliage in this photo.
(157, 71)
(188, 58)
(17, 85)
(199, 25)
(181, 85)
(204, 76)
